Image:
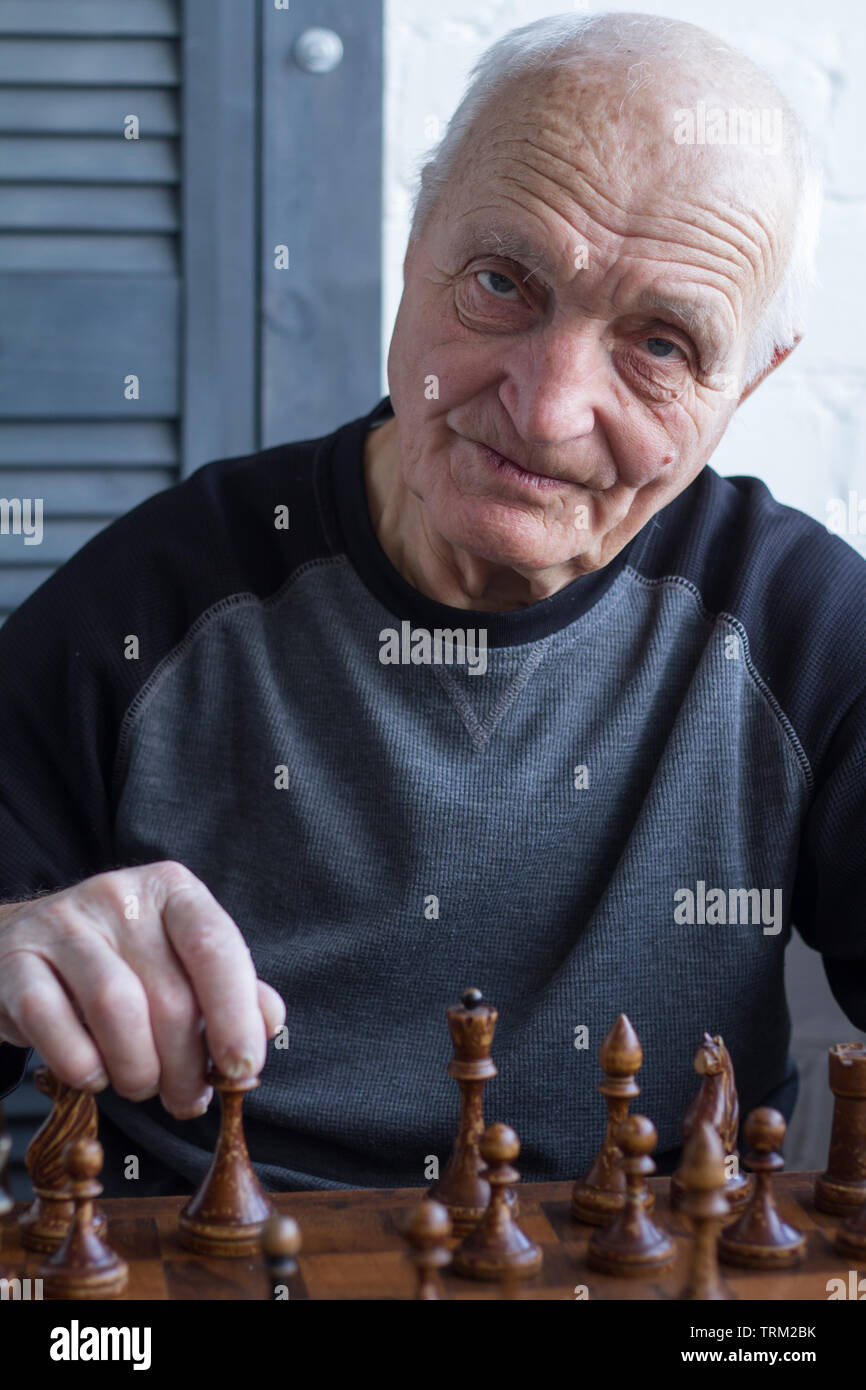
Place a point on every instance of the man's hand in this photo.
(137, 1002)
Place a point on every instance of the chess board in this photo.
(352, 1250)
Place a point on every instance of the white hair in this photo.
(562, 40)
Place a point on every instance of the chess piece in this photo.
(705, 1204)
(462, 1188)
(427, 1233)
(227, 1213)
(5, 1194)
(842, 1188)
(83, 1266)
(632, 1244)
(600, 1195)
(5, 1154)
(851, 1236)
(717, 1104)
(281, 1242)
(496, 1248)
(45, 1224)
(759, 1238)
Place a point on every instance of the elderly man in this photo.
(498, 685)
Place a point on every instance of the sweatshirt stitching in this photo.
(679, 581)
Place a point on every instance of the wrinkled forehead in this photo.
(628, 149)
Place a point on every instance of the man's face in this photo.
(581, 299)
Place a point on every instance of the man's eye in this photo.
(663, 347)
(498, 285)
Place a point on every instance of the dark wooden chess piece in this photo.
(717, 1104)
(842, 1188)
(45, 1224)
(227, 1213)
(5, 1195)
(5, 1154)
(759, 1238)
(462, 1188)
(851, 1236)
(707, 1208)
(281, 1244)
(83, 1266)
(496, 1248)
(597, 1197)
(427, 1233)
(632, 1244)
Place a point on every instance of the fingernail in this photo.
(96, 1081)
(147, 1094)
(237, 1066)
(196, 1108)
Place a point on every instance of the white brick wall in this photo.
(803, 430)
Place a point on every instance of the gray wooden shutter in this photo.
(89, 269)
(155, 257)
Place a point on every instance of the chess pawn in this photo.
(83, 1266)
(281, 1244)
(227, 1213)
(705, 1204)
(45, 1223)
(632, 1244)
(851, 1237)
(842, 1188)
(427, 1233)
(759, 1238)
(462, 1188)
(597, 1197)
(717, 1104)
(496, 1248)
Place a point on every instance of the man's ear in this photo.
(778, 357)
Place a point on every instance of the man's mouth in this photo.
(507, 468)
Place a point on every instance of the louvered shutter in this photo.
(89, 269)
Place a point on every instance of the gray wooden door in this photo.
(144, 325)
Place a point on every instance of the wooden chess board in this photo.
(352, 1250)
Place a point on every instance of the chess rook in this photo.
(496, 1248)
(83, 1266)
(851, 1236)
(462, 1188)
(227, 1213)
(45, 1224)
(842, 1188)
(600, 1194)
(632, 1244)
(759, 1238)
(707, 1208)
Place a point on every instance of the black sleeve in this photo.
(829, 906)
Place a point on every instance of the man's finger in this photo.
(219, 965)
(43, 1017)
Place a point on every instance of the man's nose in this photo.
(551, 385)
